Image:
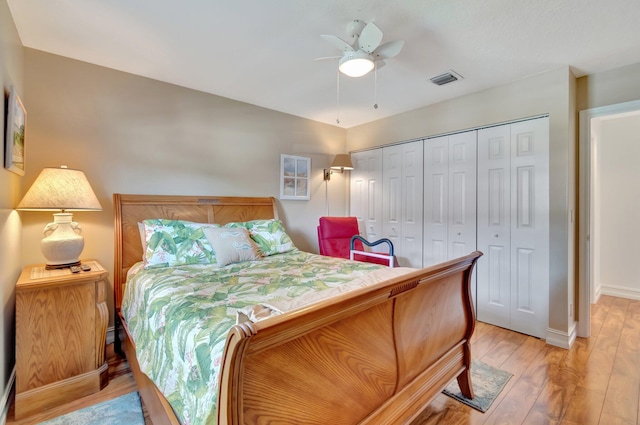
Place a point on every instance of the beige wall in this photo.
(617, 210)
(547, 93)
(136, 135)
(11, 73)
(608, 88)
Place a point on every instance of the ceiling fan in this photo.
(365, 51)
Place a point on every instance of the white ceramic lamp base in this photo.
(63, 242)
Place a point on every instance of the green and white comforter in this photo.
(179, 317)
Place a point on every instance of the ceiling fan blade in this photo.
(327, 57)
(370, 38)
(338, 42)
(388, 50)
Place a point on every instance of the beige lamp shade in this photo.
(342, 162)
(60, 189)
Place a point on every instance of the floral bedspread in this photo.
(179, 317)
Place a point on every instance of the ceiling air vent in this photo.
(446, 78)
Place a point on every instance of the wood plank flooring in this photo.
(121, 382)
(597, 382)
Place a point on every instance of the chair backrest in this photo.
(334, 236)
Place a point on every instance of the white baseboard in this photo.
(110, 333)
(621, 291)
(6, 397)
(562, 339)
(596, 295)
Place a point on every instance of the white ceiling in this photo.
(262, 51)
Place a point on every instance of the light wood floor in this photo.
(596, 382)
(120, 383)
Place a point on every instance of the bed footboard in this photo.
(376, 355)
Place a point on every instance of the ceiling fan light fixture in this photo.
(356, 64)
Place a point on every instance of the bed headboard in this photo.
(129, 210)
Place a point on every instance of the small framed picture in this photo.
(294, 177)
(14, 143)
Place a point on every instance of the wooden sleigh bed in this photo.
(392, 347)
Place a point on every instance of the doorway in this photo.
(589, 226)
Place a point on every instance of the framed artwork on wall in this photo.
(294, 177)
(14, 142)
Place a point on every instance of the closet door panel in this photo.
(392, 196)
(366, 192)
(462, 194)
(436, 200)
(373, 222)
(358, 201)
(494, 268)
(412, 203)
(530, 226)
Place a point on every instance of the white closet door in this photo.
(462, 194)
(494, 226)
(411, 211)
(450, 197)
(402, 200)
(366, 192)
(530, 227)
(513, 226)
(436, 200)
(392, 196)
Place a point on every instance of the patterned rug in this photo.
(487, 383)
(125, 409)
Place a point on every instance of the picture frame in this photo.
(295, 177)
(16, 125)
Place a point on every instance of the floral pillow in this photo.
(268, 234)
(176, 242)
(232, 245)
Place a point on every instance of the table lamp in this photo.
(61, 189)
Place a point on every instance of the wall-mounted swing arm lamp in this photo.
(340, 163)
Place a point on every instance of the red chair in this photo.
(335, 240)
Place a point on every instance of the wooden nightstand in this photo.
(61, 329)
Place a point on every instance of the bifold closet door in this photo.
(436, 200)
(494, 226)
(449, 197)
(366, 192)
(462, 194)
(513, 226)
(402, 196)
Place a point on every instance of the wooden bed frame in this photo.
(376, 355)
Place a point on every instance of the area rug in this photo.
(487, 383)
(125, 409)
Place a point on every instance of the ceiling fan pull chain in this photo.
(337, 97)
(375, 85)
